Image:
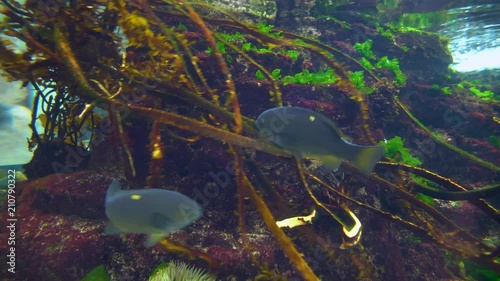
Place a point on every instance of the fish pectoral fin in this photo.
(154, 238)
(330, 161)
(161, 221)
(111, 229)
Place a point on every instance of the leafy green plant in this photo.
(392, 65)
(422, 197)
(259, 75)
(266, 29)
(249, 47)
(293, 54)
(179, 271)
(221, 47)
(97, 274)
(182, 27)
(386, 33)
(367, 64)
(365, 49)
(209, 51)
(484, 95)
(394, 149)
(288, 80)
(232, 37)
(175, 270)
(446, 91)
(246, 47)
(357, 78)
(276, 74)
(314, 78)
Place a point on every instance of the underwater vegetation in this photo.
(179, 271)
(173, 271)
(164, 96)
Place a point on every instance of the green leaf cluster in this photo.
(366, 64)
(266, 29)
(182, 27)
(424, 198)
(394, 149)
(259, 75)
(484, 95)
(220, 47)
(446, 90)
(232, 37)
(97, 274)
(276, 74)
(365, 49)
(392, 65)
(386, 33)
(292, 53)
(357, 78)
(250, 47)
(428, 184)
(325, 77)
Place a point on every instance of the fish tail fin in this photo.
(331, 162)
(367, 156)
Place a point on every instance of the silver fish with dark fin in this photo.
(155, 212)
(307, 133)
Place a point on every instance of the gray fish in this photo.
(306, 133)
(155, 212)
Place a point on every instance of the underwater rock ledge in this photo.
(61, 236)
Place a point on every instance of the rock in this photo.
(60, 221)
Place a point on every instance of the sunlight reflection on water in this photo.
(474, 37)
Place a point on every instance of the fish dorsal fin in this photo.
(113, 188)
(161, 221)
(153, 239)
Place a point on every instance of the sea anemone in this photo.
(179, 271)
